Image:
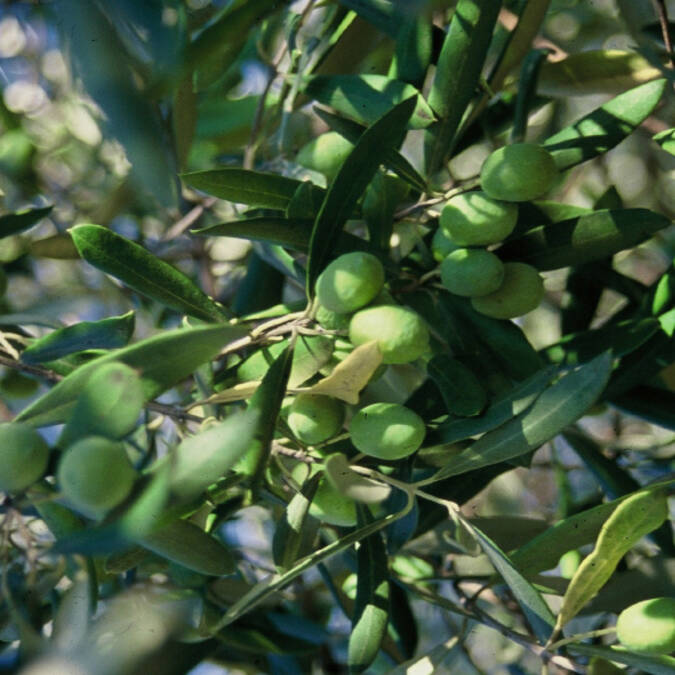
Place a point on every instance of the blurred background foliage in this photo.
(97, 118)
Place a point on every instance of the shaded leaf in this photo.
(242, 186)
(654, 405)
(108, 333)
(457, 73)
(558, 406)
(595, 71)
(353, 485)
(383, 14)
(585, 239)
(604, 127)
(366, 98)
(655, 664)
(461, 390)
(519, 399)
(13, 223)
(142, 271)
(162, 360)
(636, 516)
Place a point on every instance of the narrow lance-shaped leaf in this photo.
(654, 664)
(462, 392)
(393, 159)
(108, 333)
(366, 98)
(605, 127)
(141, 270)
(255, 188)
(13, 223)
(537, 612)
(633, 519)
(266, 402)
(371, 608)
(349, 184)
(458, 71)
(296, 529)
(162, 361)
(584, 239)
(557, 407)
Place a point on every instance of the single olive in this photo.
(472, 272)
(400, 333)
(476, 219)
(315, 418)
(648, 626)
(325, 153)
(350, 282)
(95, 475)
(442, 245)
(387, 430)
(521, 291)
(332, 320)
(518, 172)
(23, 456)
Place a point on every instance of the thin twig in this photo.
(188, 219)
(662, 13)
(38, 371)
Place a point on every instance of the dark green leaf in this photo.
(393, 159)
(13, 223)
(144, 272)
(622, 338)
(266, 403)
(402, 622)
(255, 188)
(162, 360)
(605, 127)
(519, 399)
(527, 92)
(649, 403)
(181, 541)
(458, 72)
(655, 664)
(366, 98)
(557, 407)
(461, 390)
(292, 234)
(383, 14)
(414, 44)
(536, 611)
(296, 530)
(584, 239)
(305, 204)
(350, 182)
(108, 333)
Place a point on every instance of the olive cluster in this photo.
(472, 221)
(351, 297)
(92, 470)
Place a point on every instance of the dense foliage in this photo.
(336, 336)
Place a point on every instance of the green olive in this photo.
(332, 320)
(518, 172)
(472, 272)
(315, 418)
(387, 430)
(401, 333)
(95, 475)
(325, 153)
(521, 291)
(648, 626)
(476, 219)
(442, 245)
(23, 456)
(350, 282)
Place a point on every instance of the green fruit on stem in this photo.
(521, 291)
(23, 456)
(400, 333)
(350, 282)
(325, 153)
(315, 418)
(95, 475)
(387, 430)
(442, 245)
(518, 172)
(648, 626)
(472, 272)
(332, 320)
(476, 219)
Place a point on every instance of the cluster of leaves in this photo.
(411, 87)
